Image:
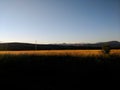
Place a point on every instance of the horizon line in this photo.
(57, 43)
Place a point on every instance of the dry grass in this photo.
(62, 52)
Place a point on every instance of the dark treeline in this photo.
(42, 47)
(26, 46)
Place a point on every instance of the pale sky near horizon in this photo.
(59, 21)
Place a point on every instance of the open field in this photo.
(57, 69)
(62, 52)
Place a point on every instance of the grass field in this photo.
(59, 68)
(62, 52)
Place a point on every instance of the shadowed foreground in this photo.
(58, 72)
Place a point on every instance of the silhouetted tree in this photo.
(106, 48)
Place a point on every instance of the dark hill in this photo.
(29, 46)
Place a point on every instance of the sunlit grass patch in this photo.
(61, 52)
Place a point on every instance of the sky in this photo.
(59, 21)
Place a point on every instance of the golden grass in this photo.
(62, 52)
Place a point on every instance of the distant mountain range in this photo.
(29, 46)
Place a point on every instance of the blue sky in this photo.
(59, 21)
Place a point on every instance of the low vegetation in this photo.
(58, 68)
(62, 52)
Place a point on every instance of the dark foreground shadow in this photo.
(58, 72)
